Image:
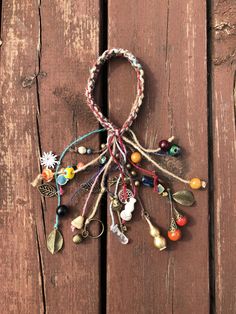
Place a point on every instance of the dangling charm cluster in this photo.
(118, 169)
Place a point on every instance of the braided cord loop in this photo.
(104, 121)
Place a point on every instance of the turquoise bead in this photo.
(61, 180)
(175, 150)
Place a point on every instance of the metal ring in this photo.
(99, 235)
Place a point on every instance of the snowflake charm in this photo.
(48, 160)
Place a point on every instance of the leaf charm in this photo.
(184, 197)
(47, 190)
(54, 241)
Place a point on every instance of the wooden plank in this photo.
(169, 38)
(21, 285)
(59, 40)
(223, 115)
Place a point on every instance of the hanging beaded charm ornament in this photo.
(118, 171)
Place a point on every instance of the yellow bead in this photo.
(136, 157)
(69, 173)
(195, 183)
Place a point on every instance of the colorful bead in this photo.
(69, 173)
(61, 179)
(136, 157)
(181, 221)
(82, 150)
(195, 183)
(62, 210)
(103, 160)
(47, 175)
(147, 181)
(174, 150)
(174, 234)
(79, 165)
(164, 145)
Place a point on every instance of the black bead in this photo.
(62, 210)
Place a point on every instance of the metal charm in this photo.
(184, 197)
(55, 241)
(122, 197)
(47, 190)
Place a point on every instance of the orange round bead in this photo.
(80, 165)
(136, 157)
(174, 235)
(195, 183)
(47, 175)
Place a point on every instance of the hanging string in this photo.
(59, 164)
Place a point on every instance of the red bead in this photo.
(164, 145)
(174, 234)
(182, 221)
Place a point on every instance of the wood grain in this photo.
(169, 38)
(223, 118)
(21, 281)
(56, 43)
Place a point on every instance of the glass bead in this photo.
(175, 150)
(164, 145)
(61, 179)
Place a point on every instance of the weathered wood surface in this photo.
(141, 279)
(46, 52)
(56, 42)
(224, 140)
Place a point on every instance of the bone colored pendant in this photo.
(184, 197)
(122, 238)
(55, 241)
(78, 222)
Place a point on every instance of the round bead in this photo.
(164, 145)
(133, 173)
(69, 173)
(103, 146)
(77, 239)
(128, 166)
(195, 183)
(174, 235)
(79, 165)
(103, 160)
(47, 175)
(175, 150)
(62, 180)
(136, 157)
(137, 183)
(89, 151)
(181, 221)
(62, 210)
(82, 150)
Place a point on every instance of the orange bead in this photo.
(136, 157)
(195, 183)
(80, 165)
(174, 235)
(47, 175)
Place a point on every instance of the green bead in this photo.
(175, 150)
(103, 160)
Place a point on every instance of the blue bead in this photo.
(61, 180)
(89, 151)
(147, 181)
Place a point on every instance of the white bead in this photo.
(82, 150)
